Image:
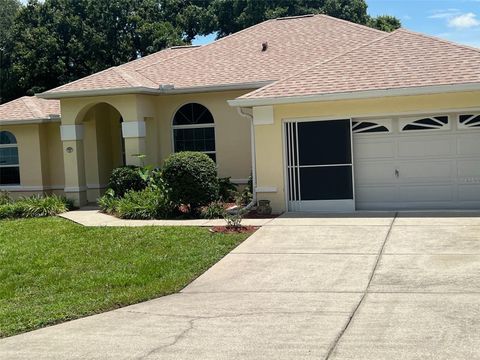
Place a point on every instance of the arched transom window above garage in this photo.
(371, 126)
(9, 162)
(425, 123)
(466, 121)
(194, 130)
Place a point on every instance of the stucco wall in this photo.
(269, 141)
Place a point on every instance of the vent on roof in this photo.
(295, 17)
(184, 46)
(264, 46)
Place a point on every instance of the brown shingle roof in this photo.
(294, 44)
(401, 59)
(29, 108)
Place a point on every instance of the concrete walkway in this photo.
(93, 217)
(374, 286)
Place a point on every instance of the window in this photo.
(194, 130)
(368, 127)
(426, 123)
(9, 165)
(469, 121)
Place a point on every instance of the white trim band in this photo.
(71, 132)
(266, 189)
(133, 129)
(75, 189)
(263, 115)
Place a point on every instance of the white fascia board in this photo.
(368, 94)
(162, 90)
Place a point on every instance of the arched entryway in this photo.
(103, 146)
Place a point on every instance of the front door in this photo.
(319, 165)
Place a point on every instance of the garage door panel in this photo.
(469, 144)
(376, 194)
(469, 169)
(425, 147)
(422, 193)
(426, 171)
(374, 149)
(374, 172)
(469, 192)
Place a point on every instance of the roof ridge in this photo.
(129, 78)
(351, 23)
(322, 63)
(32, 106)
(209, 45)
(467, 47)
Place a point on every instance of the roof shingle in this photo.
(29, 108)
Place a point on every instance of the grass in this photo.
(52, 270)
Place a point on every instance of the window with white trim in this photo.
(426, 123)
(363, 127)
(194, 130)
(9, 164)
(466, 121)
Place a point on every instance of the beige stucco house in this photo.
(325, 114)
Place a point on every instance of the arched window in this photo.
(194, 130)
(9, 165)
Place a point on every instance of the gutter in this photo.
(366, 94)
(167, 89)
(30, 121)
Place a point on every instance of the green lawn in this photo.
(52, 270)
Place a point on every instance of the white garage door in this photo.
(420, 162)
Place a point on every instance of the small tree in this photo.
(191, 178)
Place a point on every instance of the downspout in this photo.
(247, 112)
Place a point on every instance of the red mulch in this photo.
(234, 230)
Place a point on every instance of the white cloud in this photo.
(444, 14)
(464, 21)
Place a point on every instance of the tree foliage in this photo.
(44, 44)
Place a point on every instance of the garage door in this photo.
(417, 162)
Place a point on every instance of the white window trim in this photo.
(17, 165)
(193, 126)
(378, 122)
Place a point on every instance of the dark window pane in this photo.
(191, 114)
(324, 142)
(7, 138)
(464, 118)
(10, 175)
(326, 183)
(9, 156)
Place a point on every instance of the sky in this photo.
(454, 20)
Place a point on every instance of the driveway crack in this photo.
(367, 288)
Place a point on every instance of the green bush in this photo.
(126, 178)
(150, 203)
(108, 202)
(191, 178)
(226, 189)
(5, 198)
(215, 210)
(35, 206)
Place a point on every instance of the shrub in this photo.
(215, 210)
(126, 178)
(5, 198)
(35, 206)
(226, 189)
(191, 178)
(108, 202)
(149, 203)
(11, 210)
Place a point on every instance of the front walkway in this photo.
(93, 217)
(374, 286)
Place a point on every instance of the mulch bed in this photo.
(234, 230)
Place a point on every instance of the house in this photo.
(325, 114)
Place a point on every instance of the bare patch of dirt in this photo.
(234, 229)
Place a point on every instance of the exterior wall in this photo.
(232, 131)
(269, 139)
(41, 165)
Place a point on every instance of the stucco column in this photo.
(134, 133)
(74, 163)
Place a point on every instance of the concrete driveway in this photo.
(366, 286)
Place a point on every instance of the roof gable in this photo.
(401, 59)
